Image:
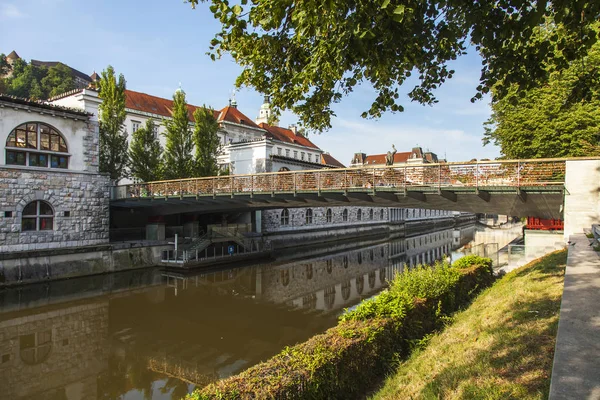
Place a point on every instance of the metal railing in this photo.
(480, 174)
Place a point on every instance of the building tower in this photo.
(265, 111)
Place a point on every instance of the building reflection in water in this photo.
(152, 334)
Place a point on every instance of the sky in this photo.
(159, 44)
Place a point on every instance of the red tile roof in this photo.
(232, 114)
(155, 105)
(287, 136)
(379, 159)
(328, 159)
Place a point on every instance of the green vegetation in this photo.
(308, 55)
(178, 160)
(348, 360)
(545, 121)
(589, 235)
(113, 136)
(206, 142)
(145, 154)
(35, 82)
(501, 347)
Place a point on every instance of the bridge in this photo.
(512, 187)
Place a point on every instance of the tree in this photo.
(206, 141)
(113, 136)
(309, 54)
(177, 159)
(25, 80)
(545, 121)
(145, 154)
(58, 80)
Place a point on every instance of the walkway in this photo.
(576, 370)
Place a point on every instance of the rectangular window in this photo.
(15, 157)
(302, 155)
(287, 152)
(7, 214)
(279, 151)
(59, 162)
(38, 160)
(295, 154)
(156, 130)
(310, 158)
(135, 125)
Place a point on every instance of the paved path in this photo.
(576, 370)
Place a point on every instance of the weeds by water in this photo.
(501, 347)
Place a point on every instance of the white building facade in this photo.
(51, 192)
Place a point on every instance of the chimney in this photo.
(294, 129)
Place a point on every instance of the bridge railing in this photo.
(445, 175)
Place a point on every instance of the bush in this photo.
(472, 259)
(347, 360)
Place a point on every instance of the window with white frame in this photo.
(295, 153)
(36, 145)
(287, 152)
(285, 217)
(279, 151)
(302, 155)
(309, 157)
(135, 125)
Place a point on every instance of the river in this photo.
(153, 334)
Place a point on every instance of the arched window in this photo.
(359, 215)
(381, 214)
(346, 289)
(329, 215)
(309, 216)
(37, 216)
(283, 169)
(309, 271)
(285, 277)
(329, 297)
(360, 284)
(345, 215)
(36, 145)
(371, 214)
(329, 266)
(34, 348)
(285, 217)
(345, 261)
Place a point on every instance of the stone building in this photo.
(51, 192)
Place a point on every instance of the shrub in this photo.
(472, 259)
(347, 360)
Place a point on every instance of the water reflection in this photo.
(152, 334)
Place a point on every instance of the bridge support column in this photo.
(582, 195)
(155, 229)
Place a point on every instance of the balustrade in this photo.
(447, 175)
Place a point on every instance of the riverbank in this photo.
(349, 359)
(501, 347)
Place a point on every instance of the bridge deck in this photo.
(497, 184)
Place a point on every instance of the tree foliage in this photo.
(559, 119)
(206, 142)
(178, 158)
(310, 54)
(34, 82)
(113, 136)
(145, 154)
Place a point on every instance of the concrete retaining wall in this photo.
(38, 266)
(582, 196)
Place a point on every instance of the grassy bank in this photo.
(501, 347)
(350, 359)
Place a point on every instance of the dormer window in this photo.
(36, 145)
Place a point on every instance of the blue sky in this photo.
(158, 43)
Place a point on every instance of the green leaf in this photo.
(237, 9)
(385, 4)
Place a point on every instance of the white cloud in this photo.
(10, 11)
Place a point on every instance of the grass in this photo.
(501, 347)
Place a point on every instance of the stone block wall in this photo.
(271, 219)
(80, 202)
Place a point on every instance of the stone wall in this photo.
(54, 354)
(80, 202)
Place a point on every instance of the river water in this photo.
(151, 334)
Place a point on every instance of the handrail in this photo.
(499, 173)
